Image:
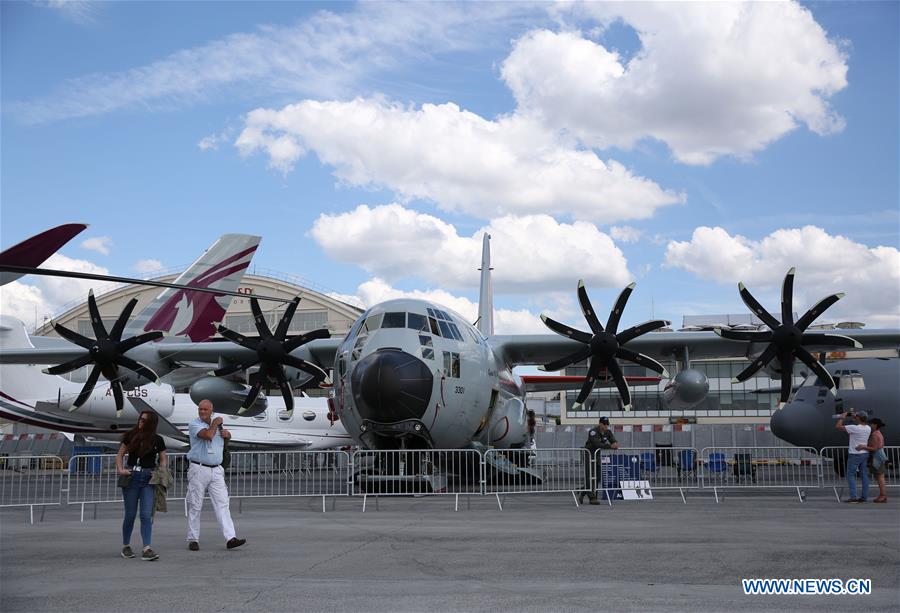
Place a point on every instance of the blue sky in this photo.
(683, 146)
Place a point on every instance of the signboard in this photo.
(636, 490)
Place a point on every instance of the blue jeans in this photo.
(139, 494)
(857, 461)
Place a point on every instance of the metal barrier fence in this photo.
(637, 471)
(760, 467)
(536, 471)
(417, 472)
(39, 481)
(31, 481)
(834, 470)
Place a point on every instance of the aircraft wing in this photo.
(557, 383)
(320, 352)
(537, 349)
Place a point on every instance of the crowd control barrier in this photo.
(31, 481)
(834, 470)
(431, 472)
(619, 473)
(536, 471)
(759, 467)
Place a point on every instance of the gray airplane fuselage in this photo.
(413, 374)
(864, 384)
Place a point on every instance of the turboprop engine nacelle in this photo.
(226, 396)
(102, 404)
(687, 389)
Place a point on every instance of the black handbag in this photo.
(226, 456)
(123, 481)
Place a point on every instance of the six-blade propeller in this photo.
(603, 346)
(786, 338)
(106, 353)
(273, 353)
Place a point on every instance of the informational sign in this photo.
(636, 490)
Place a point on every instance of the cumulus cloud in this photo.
(506, 321)
(625, 234)
(328, 54)
(710, 79)
(870, 276)
(453, 157)
(43, 297)
(100, 244)
(78, 11)
(145, 266)
(528, 253)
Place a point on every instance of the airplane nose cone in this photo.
(391, 385)
(798, 425)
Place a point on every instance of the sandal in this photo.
(880, 499)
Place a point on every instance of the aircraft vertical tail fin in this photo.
(485, 322)
(190, 314)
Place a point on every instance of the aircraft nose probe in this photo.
(391, 385)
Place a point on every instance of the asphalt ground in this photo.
(540, 553)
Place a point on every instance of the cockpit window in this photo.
(455, 331)
(432, 323)
(394, 320)
(445, 329)
(373, 322)
(417, 322)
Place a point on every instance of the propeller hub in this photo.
(604, 345)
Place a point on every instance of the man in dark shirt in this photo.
(600, 437)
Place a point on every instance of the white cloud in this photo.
(78, 11)
(710, 79)
(328, 54)
(145, 266)
(506, 321)
(625, 234)
(212, 141)
(870, 276)
(529, 253)
(44, 296)
(100, 244)
(453, 157)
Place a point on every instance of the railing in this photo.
(40, 481)
(760, 467)
(31, 481)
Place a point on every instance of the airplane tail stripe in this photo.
(202, 279)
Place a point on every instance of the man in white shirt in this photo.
(205, 472)
(859, 432)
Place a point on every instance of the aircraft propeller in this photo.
(787, 337)
(603, 346)
(106, 352)
(273, 353)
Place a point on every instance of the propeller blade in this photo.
(564, 330)
(636, 331)
(642, 360)
(119, 396)
(588, 385)
(817, 309)
(588, 309)
(757, 308)
(251, 395)
(615, 315)
(122, 321)
(70, 365)
(233, 368)
(621, 383)
(305, 366)
(130, 343)
(73, 337)
(137, 367)
(297, 341)
(814, 365)
(760, 336)
(238, 339)
(756, 364)
(89, 384)
(259, 319)
(286, 392)
(787, 297)
(561, 363)
(787, 376)
(838, 340)
(281, 330)
(96, 321)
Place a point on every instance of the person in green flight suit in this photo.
(600, 437)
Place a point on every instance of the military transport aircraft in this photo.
(412, 374)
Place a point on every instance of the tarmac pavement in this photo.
(540, 553)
